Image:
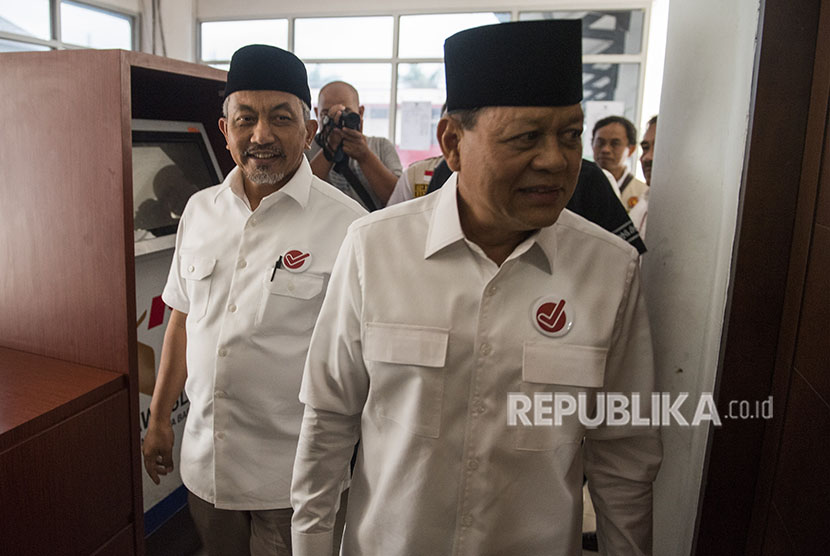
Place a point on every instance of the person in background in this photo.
(639, 214)
(249, 272)
(494, 289)
(365, 168)
(614, 140)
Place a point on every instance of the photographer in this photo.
(365, 168)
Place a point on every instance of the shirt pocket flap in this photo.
(581, 366)
(406, 344)
(196, 268)
(299, 286)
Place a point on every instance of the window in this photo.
(28, 26)
(220, 39)
(395, 60)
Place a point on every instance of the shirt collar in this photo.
(297, 188)
(445, 229)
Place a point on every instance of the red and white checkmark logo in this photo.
(296, 261)
(552, 316)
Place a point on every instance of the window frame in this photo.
(56, 41)
(514, 11)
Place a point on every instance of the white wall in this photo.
(699, 156)
(178, 18)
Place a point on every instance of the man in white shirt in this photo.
(365, 168)
(494, 292)
(252, 260)
(614, 140)
(639, 214)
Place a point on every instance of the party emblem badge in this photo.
(552, 316)
(296, 261)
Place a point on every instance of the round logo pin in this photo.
(296, 261)
(552, 316)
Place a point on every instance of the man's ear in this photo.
(223, 127)
(360, 109)
(631, 149)
(316, 114)
(450, 133)
(311, 131)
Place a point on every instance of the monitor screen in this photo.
(171, 161)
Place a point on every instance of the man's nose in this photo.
(263, 134)
(550, 156)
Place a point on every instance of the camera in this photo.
(348, 119)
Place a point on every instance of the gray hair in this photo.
(306, 109)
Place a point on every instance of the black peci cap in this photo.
(526, 63)
(258, 67)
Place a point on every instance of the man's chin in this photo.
(261, 177)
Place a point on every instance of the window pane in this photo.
(609, 82)
(609, 32)
(26, 18)
(14, 46)
(343, 37)
(420, 83)
(373, 83)
(220, 39)
(95, 28)
(423, 36)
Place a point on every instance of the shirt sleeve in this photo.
(389, 157)
(402, 191)
(175, 290)
(334, 389)
(621, 462)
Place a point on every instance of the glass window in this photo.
(14, 46)
(95, 28)
(423, 36)
(608, 32)
(343, 37)
(420, 83)
(26, 18)
(220, 39)
(373, 83)
(607, 86)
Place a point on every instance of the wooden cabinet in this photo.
(70, 467)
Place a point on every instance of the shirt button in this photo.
(491, 291)
(232, 308)
(219, 394)
(191, 268)
(220, 435)
(467, 520)
(486, 349)
(243, 263)
(253, 221)
(223, 352)
(472, 465)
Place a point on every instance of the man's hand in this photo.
(158, 449)
(355, 145)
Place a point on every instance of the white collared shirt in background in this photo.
(248, 334)
(416, 350)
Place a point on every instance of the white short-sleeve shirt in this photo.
(248, 329)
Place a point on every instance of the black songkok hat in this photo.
(527, 63)
(258, 67)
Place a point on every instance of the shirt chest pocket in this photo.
(197, 272)
(555, 375)
(406, 366)
(289, 302)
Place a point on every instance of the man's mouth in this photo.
(263, 155)
(540, 189)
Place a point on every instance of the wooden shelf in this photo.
(39, 392)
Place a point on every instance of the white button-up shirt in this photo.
(248, 329)
(417, 350)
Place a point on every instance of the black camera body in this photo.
(348, 119)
